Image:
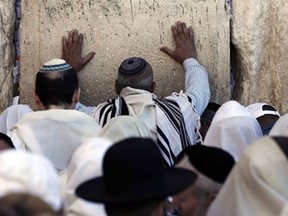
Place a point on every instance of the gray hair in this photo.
(136, 73)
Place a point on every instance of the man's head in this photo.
(212, 166)
(135, 73)
(207, 117)
(19, 204)
(265, 114)
(134, 180)
(56, 85)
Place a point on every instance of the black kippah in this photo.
(132, 66)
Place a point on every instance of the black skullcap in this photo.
(132, 66)
(212, 162)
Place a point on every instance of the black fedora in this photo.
(215, 163)
(133, 172)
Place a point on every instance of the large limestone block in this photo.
(7, 56)
(118, 29)
(259, 34)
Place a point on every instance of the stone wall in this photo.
(118, 29)
(7, 56)
(259, 36)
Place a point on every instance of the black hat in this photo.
(133, 172)
(215, 163)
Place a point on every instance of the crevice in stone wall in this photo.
(235, 75)
(16, 70)
(228, 8)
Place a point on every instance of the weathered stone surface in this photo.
(118, 29)
(7, 56)
(259, 34)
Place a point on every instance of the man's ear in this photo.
(153, 86)
(117, 87)
(76, 96)
(37, 100)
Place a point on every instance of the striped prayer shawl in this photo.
(177, 123)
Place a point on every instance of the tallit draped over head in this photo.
(23, 172)
(258, 183)
(261, 109)
(85, 164)
(232, 129)
(281, 127)
(12, 115)
(122, 127)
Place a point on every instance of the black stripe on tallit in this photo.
(114, 108)
(101, 113)
(106, 115)
(123, 105)
(170, 155)
(182, 124)
(170, 115)
(173, 112)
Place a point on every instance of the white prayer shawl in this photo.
(55, 133)
(122, 127)
(233, 128)
(281, 127)
(10, 116)
(257, 184)
(257, 111)
(23, 172)
(173, 120)
(85, 164)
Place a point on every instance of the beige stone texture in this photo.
(259, 34)
(7, 56)
(118, 29)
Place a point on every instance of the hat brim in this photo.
(171, 181)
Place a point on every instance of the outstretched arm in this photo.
(196, 77)
(72, 50)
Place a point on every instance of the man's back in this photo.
(173, 120)
(53, 133)
(57, 130)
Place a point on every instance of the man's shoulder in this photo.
(60, 115)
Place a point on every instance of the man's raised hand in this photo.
(184, 41)
(72, 50)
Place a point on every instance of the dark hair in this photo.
(19, 204)
(56, 88)
(7, 140)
